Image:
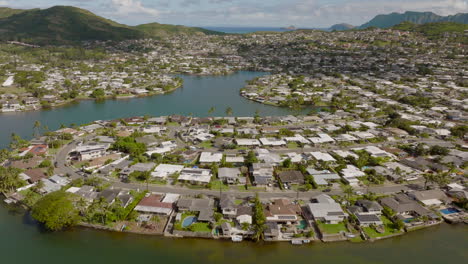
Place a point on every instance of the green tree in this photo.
(259, 220)
(56, 211)
(9, 179)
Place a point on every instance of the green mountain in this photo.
(68, 25)
(161, 30)
(390, 20)
(436, 30)
(341, 27)
(6, 11)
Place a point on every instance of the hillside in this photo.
(67, 25)
(341, 27)
(435, 30)
(162, 30)
(6, 11)
(390, 20)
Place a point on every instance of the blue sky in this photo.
(258, 13)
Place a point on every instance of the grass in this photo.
(251, 188)
(332, 228)
(218, 185)
(293, 145)
(200, 227)
(173, 124)
(389, 230)
(206, 144)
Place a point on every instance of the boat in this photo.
(296, 242)
(236, 238)
(306, 241)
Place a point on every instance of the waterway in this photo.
(21, 241)
(196, 97)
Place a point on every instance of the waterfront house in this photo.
(153, 204)
(404, 206)
(282, 211)
(326, 210)
(430, 197)
(204, 207)
(244, 215)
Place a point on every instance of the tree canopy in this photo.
(56, 211)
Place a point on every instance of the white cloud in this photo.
(4, 3)
(127, 7)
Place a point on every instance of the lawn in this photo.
(293, 145)
(332, 228)
(205, 144)
(389, 230)
(218, 185)
(200, 227)
(173, 124)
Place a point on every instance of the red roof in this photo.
(154, 201)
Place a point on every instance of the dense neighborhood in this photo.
(294, 178)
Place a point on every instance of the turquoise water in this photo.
(188, 221)
(196, 97)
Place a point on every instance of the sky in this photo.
(251, 13)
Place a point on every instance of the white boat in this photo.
(236, 238)
(296, 242)
(306, 241)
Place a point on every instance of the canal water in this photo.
(22, 242)
(196, 97)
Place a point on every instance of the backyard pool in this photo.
(302, 225)
(188, 221)
(448, 211)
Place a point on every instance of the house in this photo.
(273, 142)
(326, 210)
(350, 175)
(33, 175)
(165, 170)
(227, 206)
(262, 173)
(148, 140)
(140, 167)
(291, 177)
(371, 207)
(282, 211)
(153, 204)
(244, 215)
(204, 207)
(226, 228)
(404, 206)
(229, 175)
(322, 177)
(109, 195)
(210, 157)
(430, 197)
(195, 175)
(368, 219)
(88, 152)
(247, 142)
(271, 232)
(320, 156)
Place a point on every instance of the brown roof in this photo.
(35, 175)
(26, 164)
(282, 207)
(154, 201)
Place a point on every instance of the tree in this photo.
(9, 179)
(56, 211)
(459, 131)
(348, 190)
(211, 110)
(36, 127)
(259, 220)
(229, 111)
(98, 94)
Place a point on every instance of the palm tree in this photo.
(36, 128)
(228, 111)
(211, 110)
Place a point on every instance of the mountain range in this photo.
(66, 25)
(390, 20)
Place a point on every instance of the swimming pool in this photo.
(189, 220)
(302, 225)
(448, 211)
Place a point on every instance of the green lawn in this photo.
(217, 185)
(200, 227)
(174, 124)
(389, 230)
(205, 144)
(332, 228)
(293, 145)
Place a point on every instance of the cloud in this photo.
(4, 3)
(127, 7)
